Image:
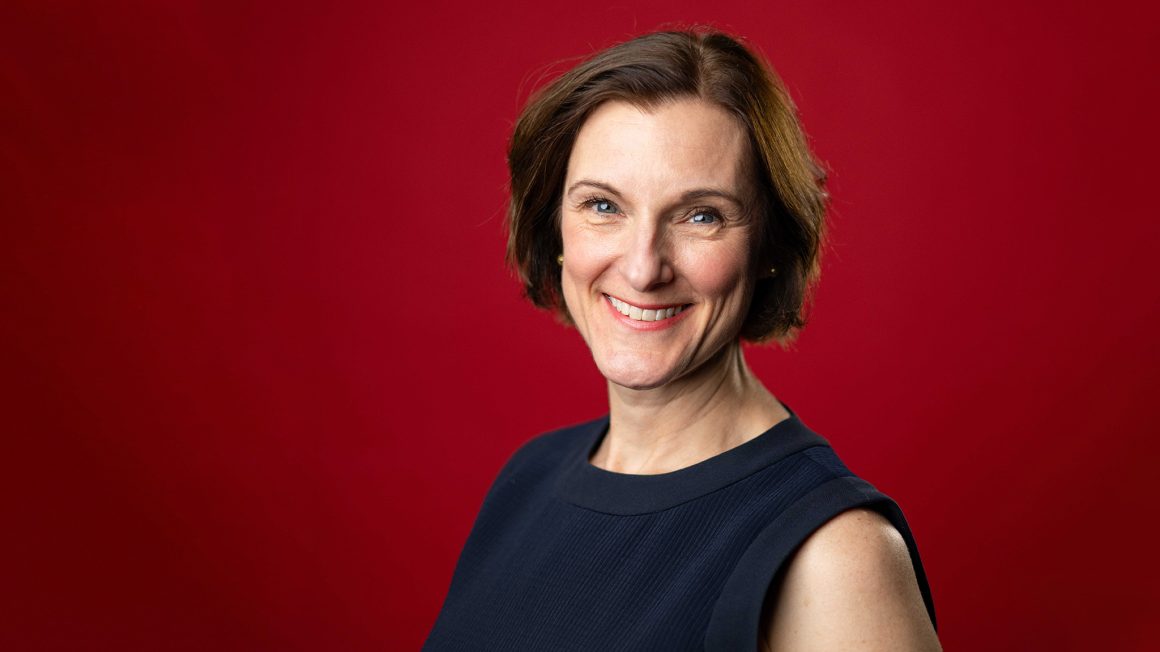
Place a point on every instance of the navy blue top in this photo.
(565, 555)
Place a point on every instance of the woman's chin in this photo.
(637, 376)
(640, 385)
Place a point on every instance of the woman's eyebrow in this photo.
(701, 193)
(687, 196)
(600, 185)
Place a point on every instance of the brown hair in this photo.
(648, 71)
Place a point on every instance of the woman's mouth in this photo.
(652, 313)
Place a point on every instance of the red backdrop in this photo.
(263, 359)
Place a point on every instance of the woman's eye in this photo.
(606, 207)
(703, 217)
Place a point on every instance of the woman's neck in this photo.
(663, 429)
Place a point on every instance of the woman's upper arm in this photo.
(850, 586)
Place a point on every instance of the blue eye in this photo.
(704, 217)
(603, 206)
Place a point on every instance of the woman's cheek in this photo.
(717, 273)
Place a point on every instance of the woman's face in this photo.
(657, 228)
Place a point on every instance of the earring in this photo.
(773, 271)
(560, 260)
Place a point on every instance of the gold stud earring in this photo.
(560, 260)
(773, 271)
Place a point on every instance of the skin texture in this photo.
(851, 586)
(655, 213)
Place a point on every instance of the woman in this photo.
(664, 203)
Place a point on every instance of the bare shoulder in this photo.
(850, 586)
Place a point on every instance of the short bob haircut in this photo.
(648, 71)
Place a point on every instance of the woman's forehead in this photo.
(679, 145)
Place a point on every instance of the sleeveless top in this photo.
(565, 555)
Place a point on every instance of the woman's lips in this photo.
(647, 314)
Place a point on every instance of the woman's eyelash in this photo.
(590, 202)
(593, 201)
(711, 212)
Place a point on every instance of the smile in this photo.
(658, 313)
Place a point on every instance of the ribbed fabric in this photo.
(567, 556)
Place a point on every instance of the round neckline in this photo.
(592, 487)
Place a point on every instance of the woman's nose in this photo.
(645, 262)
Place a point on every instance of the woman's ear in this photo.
(766, 269)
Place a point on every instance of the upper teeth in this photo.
(640, 314)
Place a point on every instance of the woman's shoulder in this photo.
(560, 440)
(851, 585)
(833, 520)
(549, 449)
(857, 551)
